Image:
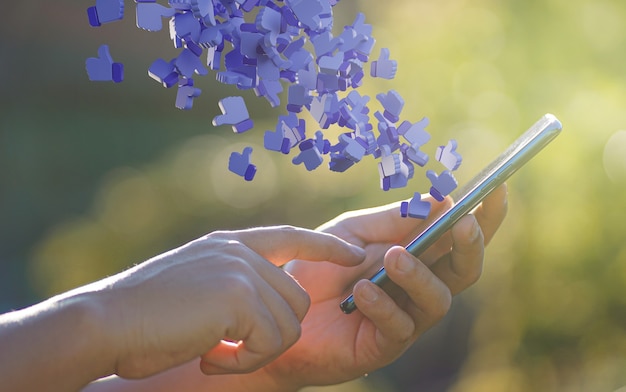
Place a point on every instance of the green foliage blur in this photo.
(95, 177)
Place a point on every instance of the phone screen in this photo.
(470, 195)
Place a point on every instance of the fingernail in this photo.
(475, 231)
(369, 293)
(404, 263)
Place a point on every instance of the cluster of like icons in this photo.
(269, 46)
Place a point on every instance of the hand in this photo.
(335, 347)
(186, 303)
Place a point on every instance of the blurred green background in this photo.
(95, 177)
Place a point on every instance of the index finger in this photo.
(280, 244)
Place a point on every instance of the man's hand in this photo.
(220, 297)
(335, 347)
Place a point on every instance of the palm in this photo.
(335, 347)
(325, 329)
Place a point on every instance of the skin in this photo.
(169, 310)
(334, 347)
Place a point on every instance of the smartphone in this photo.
(469, 196)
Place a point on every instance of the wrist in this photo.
(93, 341)
(97, 315)
(60, 339)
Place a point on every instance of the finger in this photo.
(437, 250)
(383, 224)
(265, 326)
(492, 211)
(490, 214)
(428, 299)
(281, 244)
(392, 328)
(280, 283)
(238, 357)
(462, 266)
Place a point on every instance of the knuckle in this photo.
(238, 251)
(465, 278)
(218, 241)
(275, 345)
(387, 314)
(288, 230)
(384, 309)
(293, 333)
(474, 275)
(217, 236)
(301, 301)
(239, 283)
(133, 368)
(405, 335)
(441, 307)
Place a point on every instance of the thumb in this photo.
(384, 54)
(104, 54)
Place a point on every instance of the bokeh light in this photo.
(615, 157)
(96, 178)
